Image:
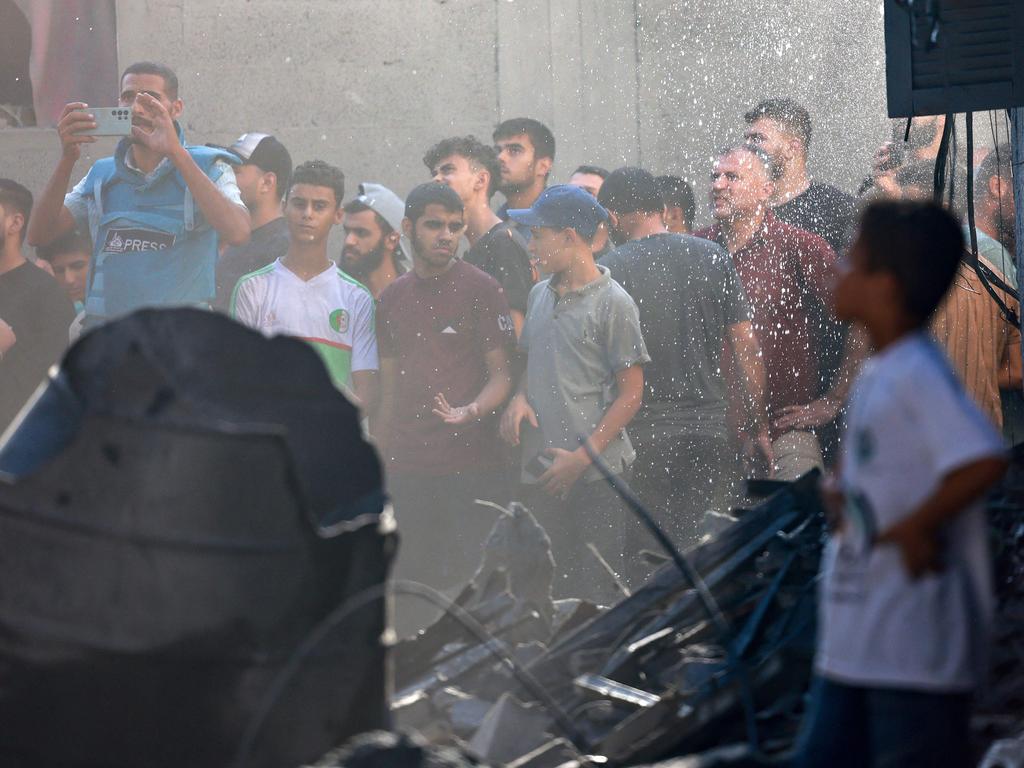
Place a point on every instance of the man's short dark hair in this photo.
(591, 170)
(431, 193)
(919, 243)
(997, 163)
(540, 135)
(471, 148)
(354, 206)
(317, 173)
(679, 194)
(787, 113)
(154, 68)
(631, 190)
(16, 199)
(75, 240)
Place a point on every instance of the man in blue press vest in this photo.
(157, 210)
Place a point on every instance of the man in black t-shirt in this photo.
(692, 307)
(262, 181)
(782, 128)
(35, 313)
(471, 168)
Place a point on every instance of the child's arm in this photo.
(917, 535)
(569, 466)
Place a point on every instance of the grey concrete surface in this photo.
(370, 84)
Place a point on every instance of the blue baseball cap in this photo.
(563, 207)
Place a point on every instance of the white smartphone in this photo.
(110, 121)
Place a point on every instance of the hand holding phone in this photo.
(109, 121)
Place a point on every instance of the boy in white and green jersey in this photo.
(304, 294)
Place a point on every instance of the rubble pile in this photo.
(649, 678)
(653, 677)
(999, 709)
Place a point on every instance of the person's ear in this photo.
(543, 166)
(177, 107)
(339, 214)
(407, 227)
(14, 224)
(995, 187)
(613, 220)
(391, 241)
(268, 181)
(482, 180)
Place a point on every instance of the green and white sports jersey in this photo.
(333, 312)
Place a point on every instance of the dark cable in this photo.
(370, 595)
(695, 580)
(941, 159)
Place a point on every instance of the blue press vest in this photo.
(153, 247)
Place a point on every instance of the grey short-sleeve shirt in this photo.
(575, 345)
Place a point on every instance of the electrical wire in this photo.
(321, 631)
(706, 599)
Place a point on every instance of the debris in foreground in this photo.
(650, 678)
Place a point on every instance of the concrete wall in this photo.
(370, 84)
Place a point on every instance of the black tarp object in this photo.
(163, 558)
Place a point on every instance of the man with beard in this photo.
(372, 253)
(304, 293)
(785, 273)
(157, 210)
(995, 214)
(472, 170)
(782, 128)
(444, 333)
(526, 152)
(262, 180)
(34, 312)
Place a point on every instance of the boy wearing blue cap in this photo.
(584, 378)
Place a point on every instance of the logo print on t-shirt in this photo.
(339, 320)
(137, 241)
(449, 329)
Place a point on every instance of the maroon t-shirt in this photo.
(439, 330)
(784, 270)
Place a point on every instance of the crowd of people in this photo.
(502, 354)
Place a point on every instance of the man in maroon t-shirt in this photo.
(444, 332)
(785, 273)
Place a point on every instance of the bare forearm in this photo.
(959, 490)
(49, 218)
(855, 351)
(230, 220)
(751, 365)
(365, 390)
(618, 416)
(494, 393)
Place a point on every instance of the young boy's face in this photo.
(857, 289)
(548, 247)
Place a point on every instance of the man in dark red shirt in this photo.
(444, 333)
(785, 273)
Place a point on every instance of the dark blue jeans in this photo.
(854, 727)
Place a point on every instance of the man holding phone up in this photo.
(584, 379)
(157, 210)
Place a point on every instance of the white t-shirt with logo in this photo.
(332, 312)
(910, 424)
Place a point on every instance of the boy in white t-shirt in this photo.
(905, 600)
(304, 293)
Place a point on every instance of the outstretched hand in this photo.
(156, 130)
(455, 416)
